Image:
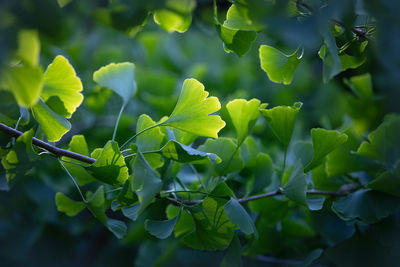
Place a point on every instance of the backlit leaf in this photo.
(279, 67)
(176, 16)
(244, 115)
(237, 19)
(281, 119)
(67, 205)
(28, 47)
(61, 87)
(53, 124)
(119, 77)
(324, 142)
(185, 154)
(192, 112)
(110, 165)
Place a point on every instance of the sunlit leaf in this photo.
(324, 142)
(238, 19)
(53, 124)
(192, 112)
(149, 140)
(281, 119)
(28, 47)
(67, 205)
(110, 165)
(119, 77)
(176, 16)
(185, 154)
(279, 67)
(61, 87)
(25, 82)
(239, 216)
(236, 40)
(244, 115)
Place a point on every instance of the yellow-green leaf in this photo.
(28, 47)
(67, 205)
(244, 115)
(192, 112)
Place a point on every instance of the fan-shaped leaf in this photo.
(192, 112)
(161, 229)
(239, 216)
(67, 205)
(28, 47)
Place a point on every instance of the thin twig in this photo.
(55, 150)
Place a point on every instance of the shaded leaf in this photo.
(384, 142)
(332, 65)
(193, 109)
(366, 205)
(361, 85)
(185, 221)
(324, 142)
(227, 150)
(296, 186)
(279, 67)
(315, 203)
(185, 154)
(239, 216)
(119, 77)
(244, 115)
(281, 119)
(233, 254)
(161, 229)
(67, 205)
(388, 182)
(110, 165)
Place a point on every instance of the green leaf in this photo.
(238, 19)
(324, 142)
(227, 150)
(25, 82)
(296, 186)
(303, 151)
(149, 140)
(61, 87)
(332, 65)
(96, 204)
(233, 254)
(28, 47)
(239, 216)
(145, 182)
(191, 113)
(78, 145)
(185, 154)
(213, 228)
(161, 229)
(236, 40)
(315, 203)
(361, 85)
(384, 142)
(279, 67)
(388, 182)
(110, 165)
(67, 205)
(176, 16)
(244, 115)
(263, 172)
(53, 124)
(366, 205)
(63, 3)
(185, 221)
(119, 77)
(281, 119)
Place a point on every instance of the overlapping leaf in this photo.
(67, 205)
(239, 216)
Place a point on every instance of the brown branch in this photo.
(54, 150)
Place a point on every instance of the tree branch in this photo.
(54, 150)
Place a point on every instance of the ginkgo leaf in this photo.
(53, 124)
(239, 216)
(296, 186)
(388, 182)
(186, 154)
(110, 165)
(161, 229)
(67, 205)
(28, 47)
(176, 16)
(239, 20)
(192, 111)
(25, 82)
(279, 67)
(244, 115)
(61, 87)
(324, 142)
(119, 77)
(281, 119)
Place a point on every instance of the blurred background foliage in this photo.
(92, 34)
